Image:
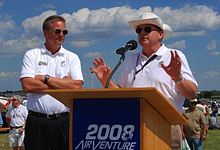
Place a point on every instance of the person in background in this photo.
(202, 105)
(194, 131)
(155, 66)
(49, 67)
(214, 108)
(213, 123)
(16, 117)
(1, 119)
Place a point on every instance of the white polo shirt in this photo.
(40, 61)
(153, 75)
(17, 115)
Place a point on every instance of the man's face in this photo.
(16, 102)
(56, 34)
(192, 105)
(149, 34)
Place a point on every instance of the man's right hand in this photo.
(101, 70)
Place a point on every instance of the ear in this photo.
(45, 33)
(161, 34)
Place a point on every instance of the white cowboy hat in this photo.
(150, 18)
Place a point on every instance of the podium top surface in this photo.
(151, 95)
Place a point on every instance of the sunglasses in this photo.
(147, 29)
(58, 31)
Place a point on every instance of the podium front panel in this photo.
(106, 124)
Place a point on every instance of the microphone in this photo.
(130, 45)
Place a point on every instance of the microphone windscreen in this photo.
(133, 44)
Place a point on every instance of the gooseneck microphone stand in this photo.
(130, 45)
(122, 58)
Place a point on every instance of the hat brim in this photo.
(165, 27)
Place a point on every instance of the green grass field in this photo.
(4, 141)
(213, 140)
(211, 143)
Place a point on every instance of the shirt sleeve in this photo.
(185, 69)
(7, 115)
(28, 69)
(75, 68)
(203, 119)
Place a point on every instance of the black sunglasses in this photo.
(58, 31)
(147, 29)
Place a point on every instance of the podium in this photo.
(123, 118)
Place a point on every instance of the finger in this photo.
(172, 57)
(101, 60)
(178, 59)
(95, 63)
(93, 70)
(162, 65)
(108, 68)
(177, 55)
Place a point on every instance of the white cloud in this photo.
(108, 23)
(214, 53)
(34, 24)
(190, 19)
(212, 45)
(178, 45)
(8, 74)
(212, 75)
(89, 26)
(93, 55)
(80, 44)
(190, 33)
(6, 25)
(17, 46)
(96, 23)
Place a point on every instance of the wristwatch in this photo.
(46, 78)
(178, 80)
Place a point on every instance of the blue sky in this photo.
(99, 27)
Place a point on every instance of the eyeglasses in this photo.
(58, 31)
(147, 29)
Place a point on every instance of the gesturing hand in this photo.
(101, 69)
(174, 68)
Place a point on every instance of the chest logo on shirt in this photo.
(42, 63)
(63, 63)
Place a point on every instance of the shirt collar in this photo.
(45, 50)
(159, 52)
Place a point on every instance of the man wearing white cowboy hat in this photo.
(195, 129)
(155, 66)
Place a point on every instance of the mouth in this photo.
(60, 40)
(144, 38)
